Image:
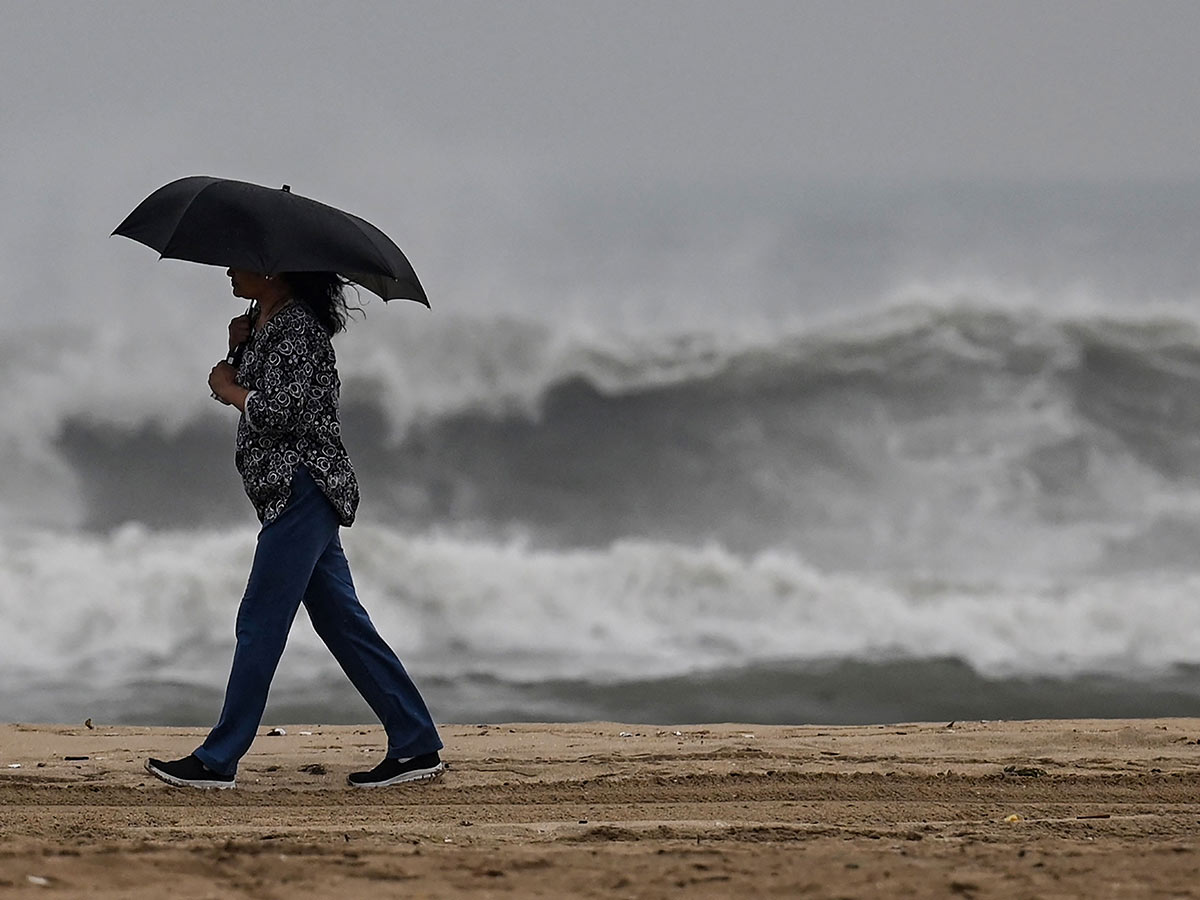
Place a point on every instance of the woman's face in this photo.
(249, 285)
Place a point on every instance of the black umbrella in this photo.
(221, 222)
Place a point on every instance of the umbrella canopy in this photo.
(236, 224)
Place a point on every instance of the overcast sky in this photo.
(690, 89)
(463, 126)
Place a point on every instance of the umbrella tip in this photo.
(287, 188)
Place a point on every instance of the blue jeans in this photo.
(299, 559)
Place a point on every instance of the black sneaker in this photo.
(394, 771)
(188, 772)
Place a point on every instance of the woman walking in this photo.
(299, 478)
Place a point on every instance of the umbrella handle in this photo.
(235, 355)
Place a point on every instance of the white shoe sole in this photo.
(183, 782)
(415, 775)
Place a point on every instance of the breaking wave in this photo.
(957, 439)
(1000, 501)
(136, 608)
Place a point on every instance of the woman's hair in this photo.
(324, 294)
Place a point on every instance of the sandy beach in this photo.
(1097, 808)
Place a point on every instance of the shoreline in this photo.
(999, 808)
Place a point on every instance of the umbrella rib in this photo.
(367, 233)
(371, 239)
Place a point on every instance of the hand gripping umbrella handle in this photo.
(235, 355)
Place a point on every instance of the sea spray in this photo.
(136, 606)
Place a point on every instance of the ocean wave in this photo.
(952, 439)
(138, 605)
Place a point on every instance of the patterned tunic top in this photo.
(291, 415)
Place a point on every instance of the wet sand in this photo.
(1097, 808)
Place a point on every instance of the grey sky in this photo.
(690, 89)
(475, 132)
